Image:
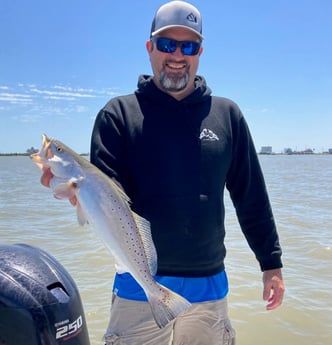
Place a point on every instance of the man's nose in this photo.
(178, 52)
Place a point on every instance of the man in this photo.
(173, 148)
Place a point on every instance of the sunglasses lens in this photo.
(190, 48)
(167, 45)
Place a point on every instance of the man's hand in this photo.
(45, 181)
(273, 288)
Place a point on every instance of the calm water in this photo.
(301, 194)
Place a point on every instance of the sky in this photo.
(61, 61)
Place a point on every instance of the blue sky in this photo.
(61, 61)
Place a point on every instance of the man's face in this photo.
(174, 73)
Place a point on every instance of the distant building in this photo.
(31, 150)
(330, 151)
(266, 150)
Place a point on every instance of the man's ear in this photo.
(200, 51)
(149, 46)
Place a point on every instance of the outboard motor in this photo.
(39, 301)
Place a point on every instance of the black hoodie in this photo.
(173, 158)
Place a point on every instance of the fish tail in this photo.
(166, 305)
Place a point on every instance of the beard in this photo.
(173, 82)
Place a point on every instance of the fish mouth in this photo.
(45, 152)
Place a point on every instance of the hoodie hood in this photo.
(147, 88)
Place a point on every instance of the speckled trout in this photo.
(104, 205)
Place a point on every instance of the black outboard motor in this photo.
(39, 301)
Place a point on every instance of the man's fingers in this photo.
(274, 288)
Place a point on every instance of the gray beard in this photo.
(173, 84)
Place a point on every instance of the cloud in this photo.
(28, 118)
(62, 94)
(15, 98)
(30, 102)
(27, 93)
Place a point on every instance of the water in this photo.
(301, 195)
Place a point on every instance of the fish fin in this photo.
(63, 189)
(118, 188)
(167, 305)
(149, 247)
(81, 217)
(120, 269)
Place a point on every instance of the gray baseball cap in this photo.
(177, 14)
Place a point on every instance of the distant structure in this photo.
(289, 151)
(266, 150)
(31, 150)
(330, 151)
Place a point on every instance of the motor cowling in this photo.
(39, 301)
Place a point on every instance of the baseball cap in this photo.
(177, 14)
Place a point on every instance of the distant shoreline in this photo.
(28, 154)
(259, 153)
(14, 154)
(295, 154)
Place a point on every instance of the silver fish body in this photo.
(101, 202)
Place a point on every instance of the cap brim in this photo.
(154, 33)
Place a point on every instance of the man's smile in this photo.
(175, 65)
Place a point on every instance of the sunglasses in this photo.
(167, 45)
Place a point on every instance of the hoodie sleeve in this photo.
(107, 142)
(246, 185)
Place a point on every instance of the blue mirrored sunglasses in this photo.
(167, 45)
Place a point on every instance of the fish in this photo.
(102, 203)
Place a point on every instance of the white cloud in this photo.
(62, 98)
(15, 98)
(85, 91)
(81, 109)
(27, 118)
(21, 91)
(31, 102)
(60, 94)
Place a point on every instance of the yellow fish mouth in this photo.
(45, 152)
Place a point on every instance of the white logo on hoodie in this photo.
(208, 135)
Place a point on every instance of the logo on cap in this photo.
(192, 18)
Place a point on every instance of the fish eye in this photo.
(59, 149)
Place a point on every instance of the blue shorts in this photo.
(195, 290)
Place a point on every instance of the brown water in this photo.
(301, 194)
